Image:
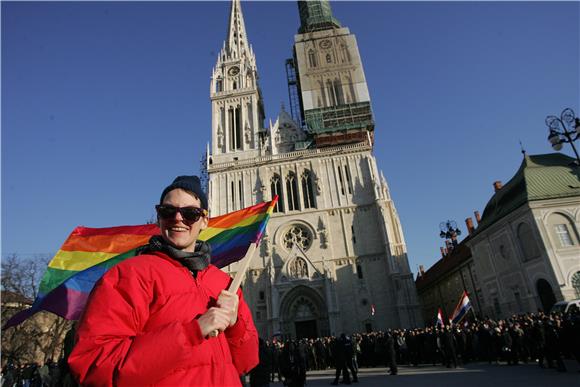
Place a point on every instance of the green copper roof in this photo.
(539, 177)
(316, 15)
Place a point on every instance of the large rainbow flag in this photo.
(88, 253)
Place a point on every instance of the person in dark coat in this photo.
(260, 375)
(448, 342)
(517, 335)
(320, 351)
(552, 330)
(293, 366)
(506, 345)
(391, 354)
(340, 360)
(350, 356)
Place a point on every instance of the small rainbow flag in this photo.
(88, 253)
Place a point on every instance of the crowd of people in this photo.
(536, 337)
(49, 374)
(545, 339)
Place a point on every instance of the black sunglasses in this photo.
(191, 214)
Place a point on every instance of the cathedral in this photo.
(333, 259)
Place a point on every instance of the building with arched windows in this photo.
(524, 254)
(334, 246)
(526, 249)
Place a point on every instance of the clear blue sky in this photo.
(103, 104)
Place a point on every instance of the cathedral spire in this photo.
(238, 109)
(236, 44)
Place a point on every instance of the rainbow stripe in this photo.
(88, 253)
(231, 234)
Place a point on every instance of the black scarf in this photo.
(196, 261)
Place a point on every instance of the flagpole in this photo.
(239, 277)
(473, 311)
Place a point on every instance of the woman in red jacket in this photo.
(148, 320)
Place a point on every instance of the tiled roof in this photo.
(539, 177)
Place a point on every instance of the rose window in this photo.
(298, 235)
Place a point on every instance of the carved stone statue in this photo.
(298, 268)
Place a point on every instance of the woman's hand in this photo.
(214, 320)
(229, 302)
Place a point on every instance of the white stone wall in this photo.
(347, 228)
(507, 270)
(327, 56)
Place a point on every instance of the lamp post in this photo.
(565, 128)
(449, 231)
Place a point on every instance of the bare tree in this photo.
(39, 338)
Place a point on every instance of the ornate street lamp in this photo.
(565, 128)
(449, 231)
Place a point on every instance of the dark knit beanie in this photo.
(187, 183)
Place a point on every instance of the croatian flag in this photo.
(372, 309)
(439, 317)
(461, 309)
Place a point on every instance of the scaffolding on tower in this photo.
(293, 93)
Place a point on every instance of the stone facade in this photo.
(524, 263)
(334, 246)
(524, 254)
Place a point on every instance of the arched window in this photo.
(323, 94)
(348, 181)
(312, 58)
(546, 294)
(241, 193)
(345, 53)
(527, 242)
(576, 283)
(330, 92)
(562, 230)
(359, 271)
(328, 58)
(292, 191)
(307, 192)
(276, 189)
(235, 128)
(338, 92)
(341, 180)
(232, 196)
(219, 86)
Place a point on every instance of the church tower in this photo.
(335, 101)
(334, 249)
(237, 106)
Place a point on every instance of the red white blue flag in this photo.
(461, 309)
(439, 317)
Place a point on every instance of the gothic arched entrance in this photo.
(546, 294)
(303, 314)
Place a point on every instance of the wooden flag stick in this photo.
(239, 277)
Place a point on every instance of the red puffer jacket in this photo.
(140, 328)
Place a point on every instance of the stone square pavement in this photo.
(471, 375)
